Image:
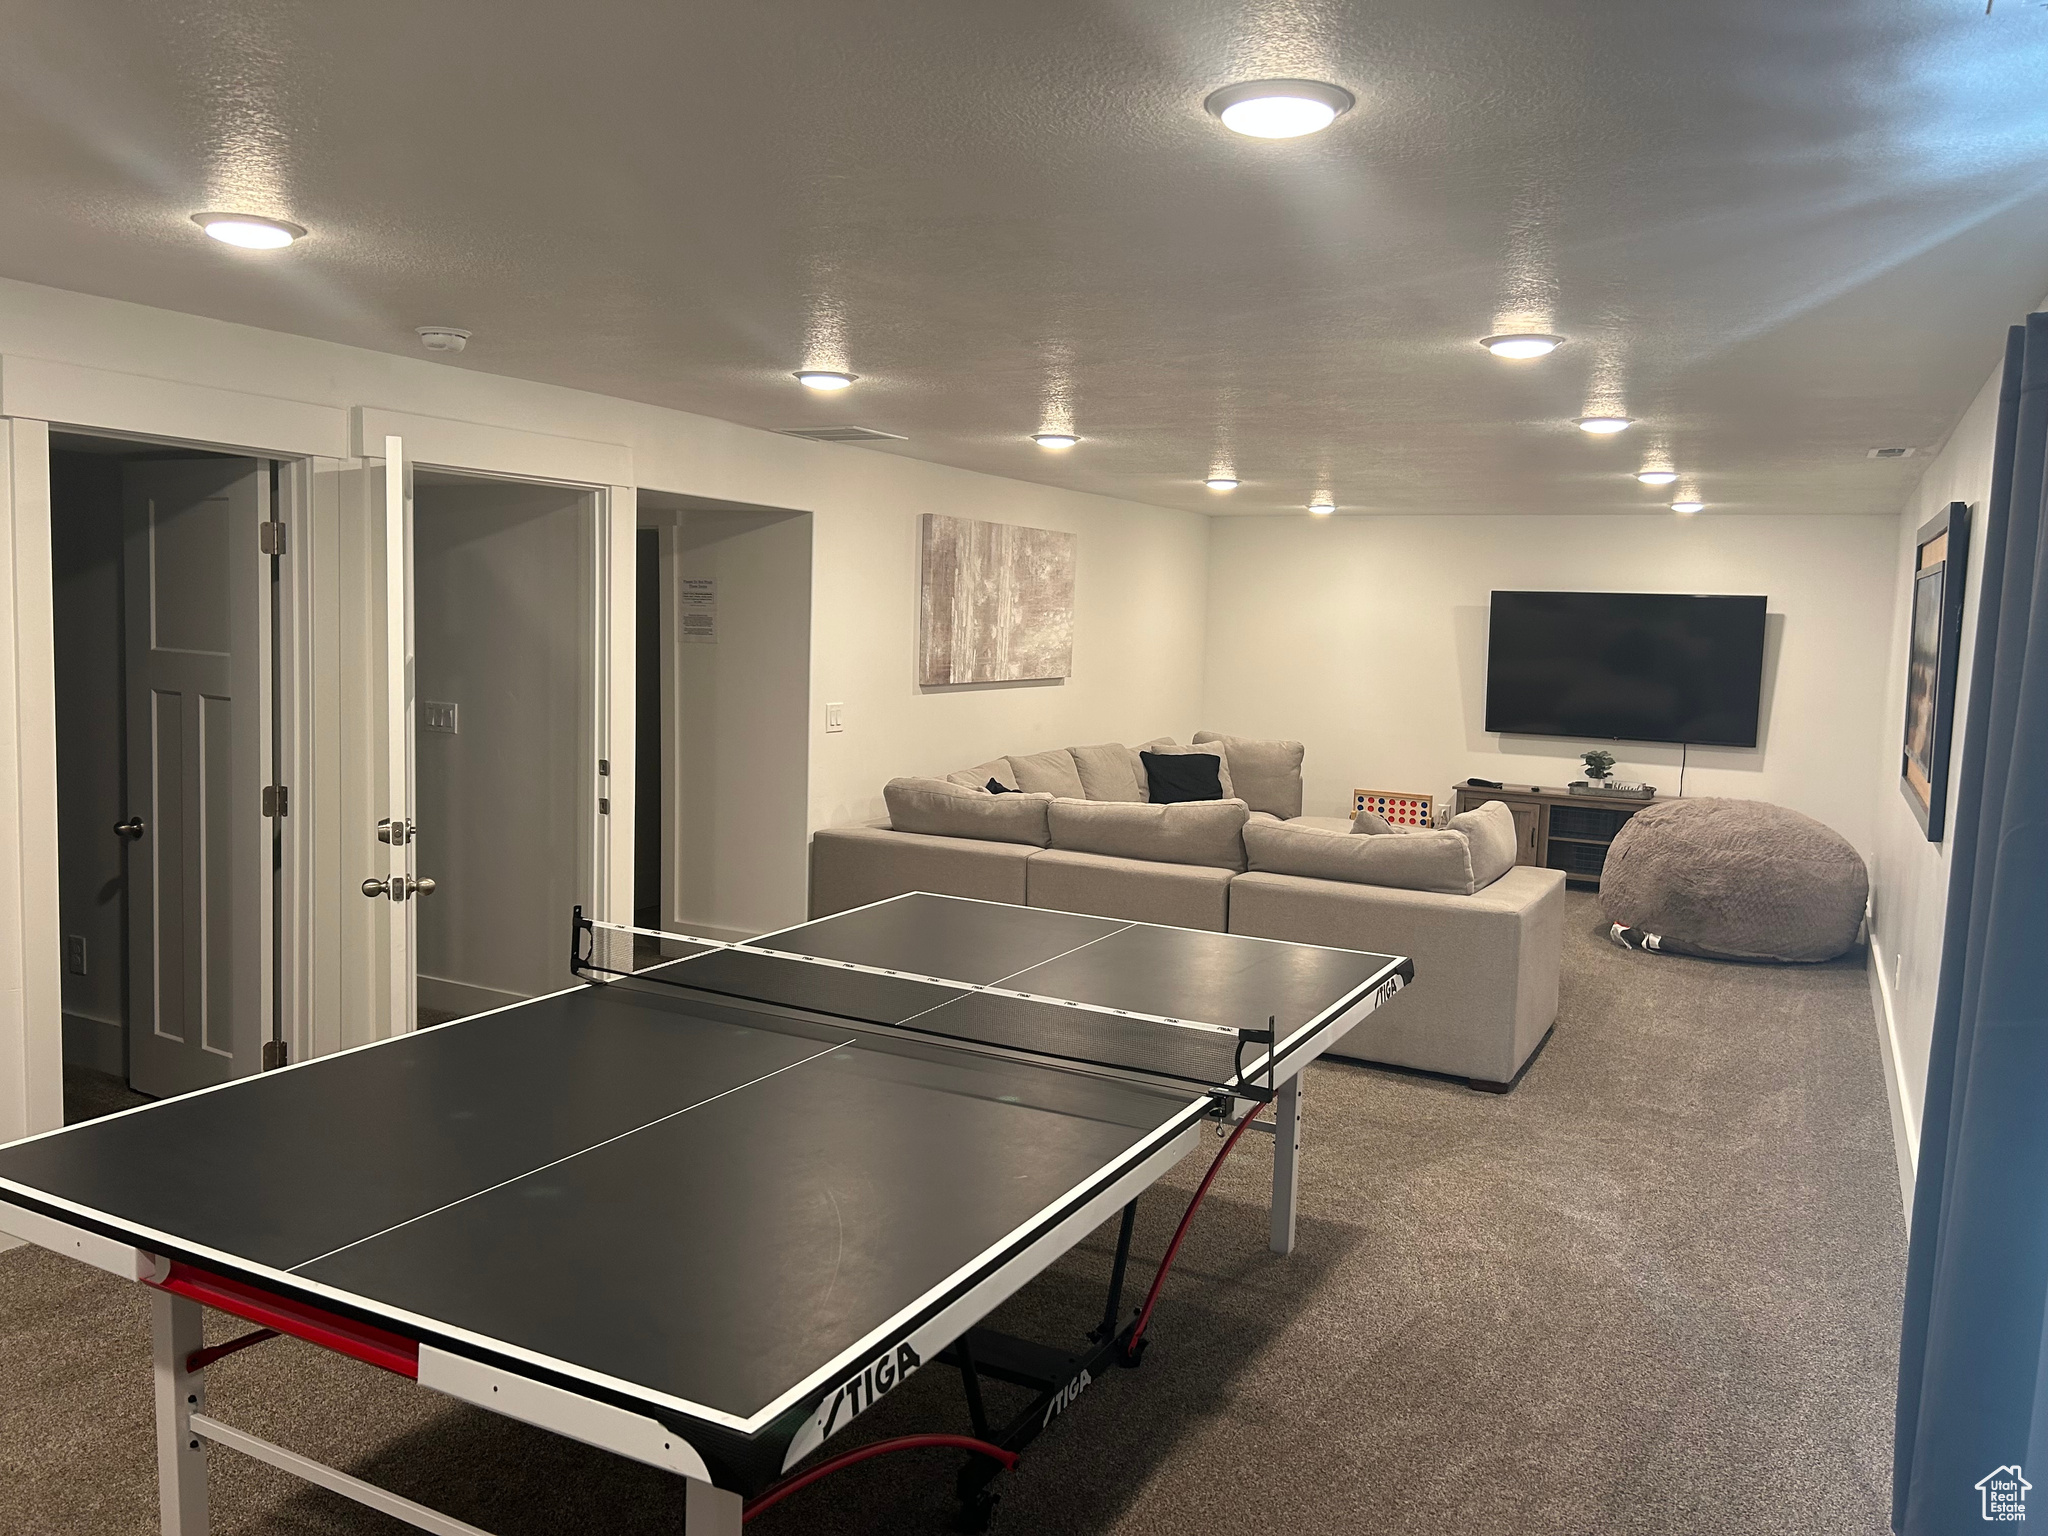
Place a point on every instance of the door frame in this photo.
(607, 830)
(316, 448)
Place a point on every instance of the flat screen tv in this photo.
(1626, 666)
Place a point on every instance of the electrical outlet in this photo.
(835, 717)
(74, 953)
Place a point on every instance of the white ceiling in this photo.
(1778, 234)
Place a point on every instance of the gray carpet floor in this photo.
(1655, 1289)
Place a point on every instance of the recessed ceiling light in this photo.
(1054, 439)
(1687, 506)
(1279, 109)
(1528, 344)
(248, 231)
(1322, 506)
(1657, 476)
(1603, 425)
(824, 378)
(1221, 482)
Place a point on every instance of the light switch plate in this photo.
(438, 717)
(74, 953)
(835, 717)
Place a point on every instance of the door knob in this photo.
(131, 829)
(398, 887)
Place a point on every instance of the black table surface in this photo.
(699, 1199)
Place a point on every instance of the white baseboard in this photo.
(7, 1242)
(94, 1042)
(1905, 1133)
(463, 997)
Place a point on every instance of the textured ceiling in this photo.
(1778, 234)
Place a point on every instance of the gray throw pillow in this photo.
(1267, 774)
(941, 808)
(1190, 832)
(1048, 773)
(1107, 772)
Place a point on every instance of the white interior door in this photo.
(196, 584)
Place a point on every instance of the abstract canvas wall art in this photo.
(995, 602)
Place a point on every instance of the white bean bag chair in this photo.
(1735, 880)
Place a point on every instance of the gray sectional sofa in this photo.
(1074, 829)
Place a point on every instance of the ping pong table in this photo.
(714, 1201)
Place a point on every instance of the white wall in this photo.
(1365, 638)
(502, 626)
(85, 561)
(1140, 588)
(739, 789)
(1909, 875)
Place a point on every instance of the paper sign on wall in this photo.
(697, 610)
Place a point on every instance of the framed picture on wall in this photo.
(1941, 553)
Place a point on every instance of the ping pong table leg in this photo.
(709, 1511)
(1286, 1163)
(180, 1454)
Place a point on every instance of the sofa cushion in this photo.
(1491, 830)
(852, 866)
(1207, 832)
(941, 808)
(1137, 890)
(1048, 773)
(1176, 777)
(1265, 775)
(977, 777)
(1456, 861)
(1109, 771)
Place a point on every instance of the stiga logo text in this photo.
(858, 1392)
(1065, 1397)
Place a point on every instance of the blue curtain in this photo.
(1973, 1382)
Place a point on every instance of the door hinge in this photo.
(275, 1055)
(604, 806)
(277, 800)
(270, 538)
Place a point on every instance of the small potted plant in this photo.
(1599, 764)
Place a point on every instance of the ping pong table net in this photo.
(1067, 1033)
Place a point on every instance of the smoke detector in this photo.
(442, 338)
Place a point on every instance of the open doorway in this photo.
(162, 612)
(506, 787)
(728, 729)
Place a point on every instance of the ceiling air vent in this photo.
(844, 435)
(1890, 453)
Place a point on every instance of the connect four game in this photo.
(1401, 811)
